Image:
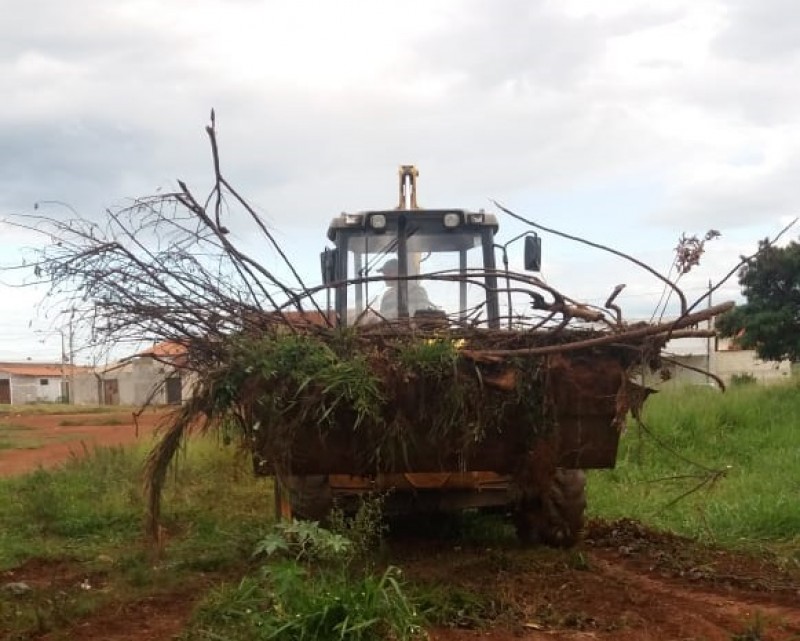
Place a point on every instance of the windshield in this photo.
(443, 257)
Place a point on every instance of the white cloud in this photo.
(758, 32)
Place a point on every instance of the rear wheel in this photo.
(555, 518)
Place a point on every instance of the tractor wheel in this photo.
(555, 518)
(304, 497)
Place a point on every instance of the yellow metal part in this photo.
(408, 201)
(408, 187)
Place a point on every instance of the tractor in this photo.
(438, 269)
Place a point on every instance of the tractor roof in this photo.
(467, 220)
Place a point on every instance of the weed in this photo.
(304, 541)
(578, 560)
(486, 528)
(365, 529)
(289, 601)
(433, 357)
(44, 611)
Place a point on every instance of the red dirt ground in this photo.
(47, 442)
(630, 584)
(623, 582)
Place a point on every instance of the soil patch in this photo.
(623, 582)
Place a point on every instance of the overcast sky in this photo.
(625, 121)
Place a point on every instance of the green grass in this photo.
(735, 455)
(15, 437)
(19, 443)
(95, 422)
(14, 427)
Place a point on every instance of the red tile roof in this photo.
(40, 370)
(165, 349)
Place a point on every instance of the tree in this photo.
(770, 320)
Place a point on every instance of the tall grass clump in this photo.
(313, 583)
(710, 465)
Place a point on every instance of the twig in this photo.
(611, 250)
(632, 334)
(740, 264)
(699, 370)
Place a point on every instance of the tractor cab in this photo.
(413, 263)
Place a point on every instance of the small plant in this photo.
(304, 541)
(365, 529)
(434, 357)
(578, 561)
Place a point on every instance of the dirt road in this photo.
(33, 440)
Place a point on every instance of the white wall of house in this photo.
(85, 389)
(34, 389)
(682, 375)
(137, 381)
(728, 364)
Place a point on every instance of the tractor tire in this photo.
(309, 498)
(556, 518)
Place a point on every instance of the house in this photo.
(730, 361)
(723, 357)
(154, 375)
(30, 382)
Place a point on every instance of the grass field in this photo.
(735, 457)
(722, 468)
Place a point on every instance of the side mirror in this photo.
(328, 260)
(533, 253)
